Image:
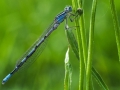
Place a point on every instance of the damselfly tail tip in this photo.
(3, 82)
(6, 78)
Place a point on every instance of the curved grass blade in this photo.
(68, 72)
(116, 26)
(81, 38)
(90, 45)
(74, 45)
(99, 79)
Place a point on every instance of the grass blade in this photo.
(116, 26)
(80, 44)
(68, 72)
(90, 46)
(74, 45)
(99, 79)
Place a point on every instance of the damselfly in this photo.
(35, 50)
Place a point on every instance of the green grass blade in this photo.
(72, 41)
(74, 45)
(116, 26)
(68, 72)
(90, 46)
(98, 78)
(76, 5)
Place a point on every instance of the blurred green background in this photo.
(23, 21)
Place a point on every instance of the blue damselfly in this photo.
(35, 50)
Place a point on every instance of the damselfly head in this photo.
(68, 9)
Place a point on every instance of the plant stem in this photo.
(116, 26)
(90, 46)
(81, 57)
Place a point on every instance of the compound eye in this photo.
(68, 9)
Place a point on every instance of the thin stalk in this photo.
(74, 44)
(83, 33)
(116, 26)
(90, 46)
(79, 39)
(68, 72)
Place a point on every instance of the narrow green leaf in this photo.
(90, 45)
(68, 72)
(99, 79)
(74, 45)
(76, 5)
(116, 26)
(72, 40)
